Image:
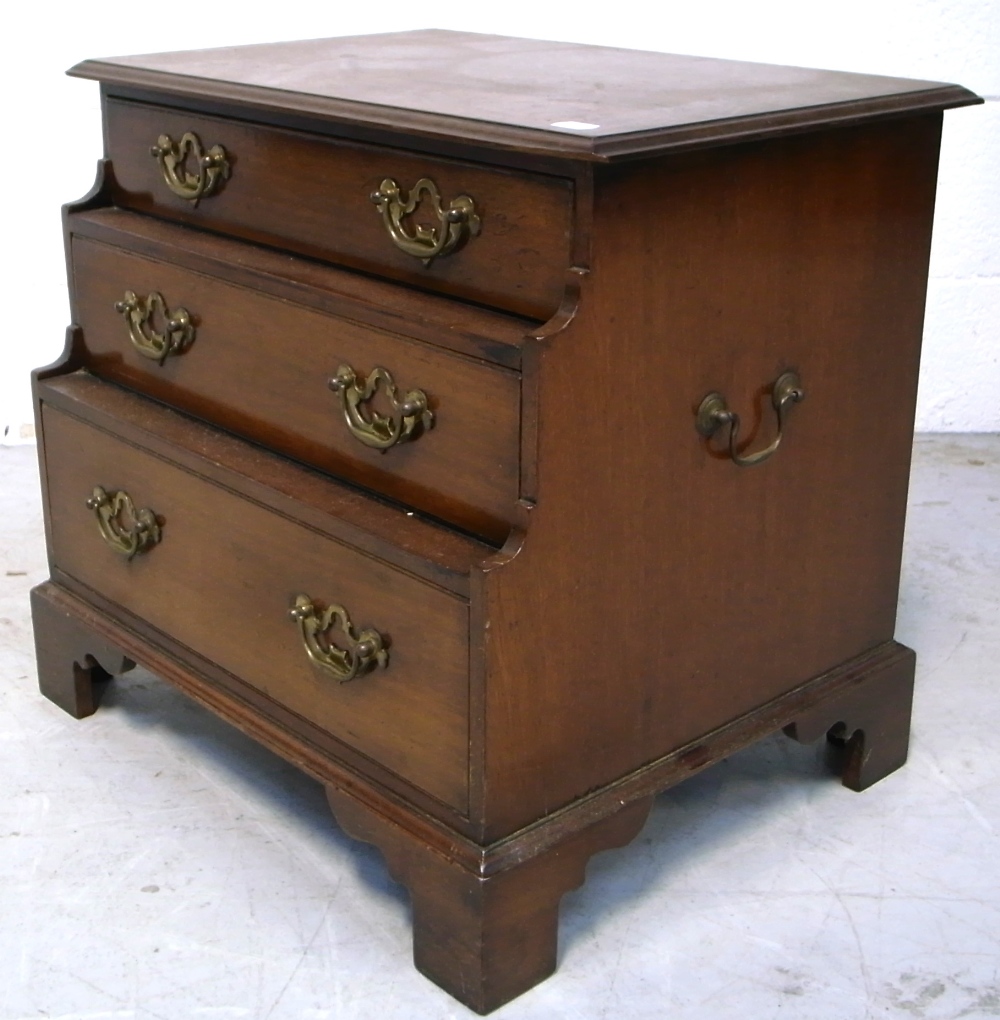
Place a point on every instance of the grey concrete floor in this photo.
(155, 863)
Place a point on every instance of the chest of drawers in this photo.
(421, 416)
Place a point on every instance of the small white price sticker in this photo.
(574, 125)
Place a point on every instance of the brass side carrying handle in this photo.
(128, 531)
(140, 315)
(713, 413)
(361, 652)
(409, 417)
(188, 170)
(455, 225)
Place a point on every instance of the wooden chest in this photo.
(421, 414)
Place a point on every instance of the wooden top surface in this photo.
(560, 99)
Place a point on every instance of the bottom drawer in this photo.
(220, 574)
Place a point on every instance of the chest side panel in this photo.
(663, 590)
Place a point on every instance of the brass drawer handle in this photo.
(140, 314)
(455, 224)
(713, 413)
(409, 416)
(128, 531)
(190, 171)
(362, 652)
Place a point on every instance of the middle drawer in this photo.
(262, 367)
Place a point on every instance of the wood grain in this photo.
(311, 194)
(870, 722)
(806, 713)
(477, 909)
(407, 541)
(480, 333)
(486, 939)
(636, 606)
(260, 367)
(74, 664)
(223, 579)
(513, 93)
(693, 589)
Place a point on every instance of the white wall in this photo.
(52, 134)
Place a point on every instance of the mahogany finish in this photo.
(412, 716)
(480, 333)
(292, 190)
(486, 937)
(409, 541)
(463, 470)
(873, 723)
(74, 666)
(511, 93)
(733, 584)
(584, 599)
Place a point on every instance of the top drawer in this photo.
(313, 195)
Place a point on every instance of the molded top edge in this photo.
(558, 99)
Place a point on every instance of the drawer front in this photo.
(313, 195)
(261, 367)
(222, 579)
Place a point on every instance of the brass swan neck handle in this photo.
(713, 413)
